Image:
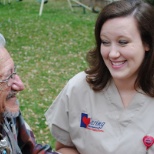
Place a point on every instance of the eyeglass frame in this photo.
(9, 77)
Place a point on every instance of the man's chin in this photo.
(11, 100)
(12, 104)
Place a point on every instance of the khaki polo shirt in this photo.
(97, 122)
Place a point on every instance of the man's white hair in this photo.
(2, 41)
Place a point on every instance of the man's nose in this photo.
(17, 84)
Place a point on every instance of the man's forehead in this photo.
(5, 57)
(4, 54)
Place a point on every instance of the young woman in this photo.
(109, 108)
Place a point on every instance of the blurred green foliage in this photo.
(48, 51)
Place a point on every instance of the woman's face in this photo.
(122, 48)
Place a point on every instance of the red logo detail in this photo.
(86, 121)
(148, 141)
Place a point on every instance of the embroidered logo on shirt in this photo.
(91, 124)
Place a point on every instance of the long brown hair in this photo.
(98, 74)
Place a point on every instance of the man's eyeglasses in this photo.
(10, 78)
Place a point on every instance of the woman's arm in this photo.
(65, 149)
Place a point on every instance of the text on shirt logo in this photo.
(91, 124)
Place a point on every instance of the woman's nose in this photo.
(17, 84)
(114, 52)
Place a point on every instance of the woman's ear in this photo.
(146, 47)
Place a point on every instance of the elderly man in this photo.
(15, 135)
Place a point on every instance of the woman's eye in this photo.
(123, 42)
(106, 43)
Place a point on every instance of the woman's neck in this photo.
(126, 91)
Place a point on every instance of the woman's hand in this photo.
(63, 149)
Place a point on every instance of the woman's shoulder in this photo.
(81, 76)
(78, 81)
